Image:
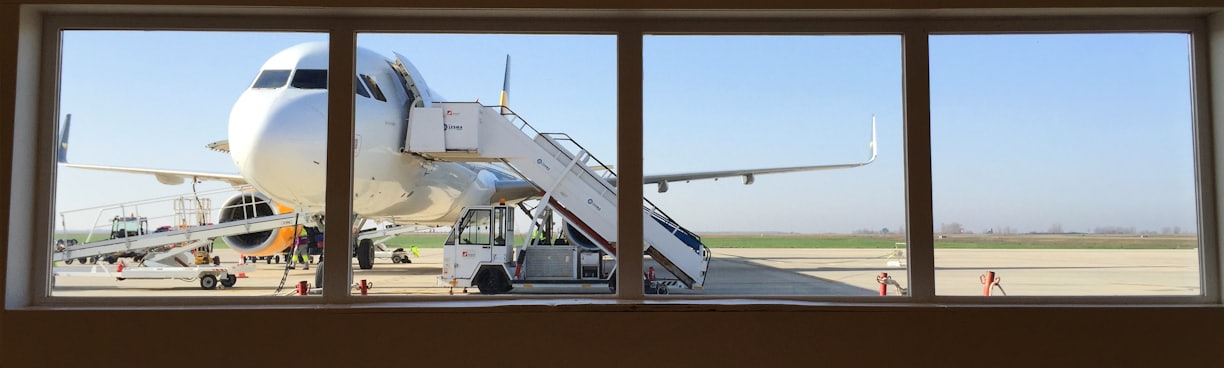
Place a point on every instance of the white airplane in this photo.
(278, 137)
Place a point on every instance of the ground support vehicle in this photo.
(175, 263)
(209, 276)
(123, 227)
(171, 254)
(478, 254)
(571, 182)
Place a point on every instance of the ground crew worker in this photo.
(415, 252)
(299, 251)
(537, 236)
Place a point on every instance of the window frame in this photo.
(32, 289)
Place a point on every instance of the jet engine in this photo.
(251, 205)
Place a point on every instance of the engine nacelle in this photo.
(251, 205)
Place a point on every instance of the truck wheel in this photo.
(484, 282)
(504, 282)
(208, 282)
(365, 254)
(68, 261)
(395, 258)
(229, 281)
(111, 259)
(491, 280)
(277, 259)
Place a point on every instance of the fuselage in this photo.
(278, 139)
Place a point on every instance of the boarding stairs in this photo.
(572, 180)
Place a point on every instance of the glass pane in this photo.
(721, 112)
(1063, 163)
(433, 148)
(143, 204)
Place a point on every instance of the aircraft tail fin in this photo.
(62, 154)
(505, 92)
(874, 148)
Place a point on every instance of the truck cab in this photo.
(125, 226)
(479, 249)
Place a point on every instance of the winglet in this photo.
(62, 154)
(505, 92)
(874, 148)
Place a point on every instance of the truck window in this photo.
(475, 228)
(499, 225)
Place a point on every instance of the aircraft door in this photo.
(414, 84)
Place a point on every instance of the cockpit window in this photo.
(310, 79)
(272, 78)
(377, 92)
(360, 88)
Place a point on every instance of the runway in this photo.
(763, 272)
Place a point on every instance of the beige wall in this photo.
(663, 336)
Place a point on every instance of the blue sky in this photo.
(1028, 131)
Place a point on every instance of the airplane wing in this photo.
(169, 177)
(749, 175)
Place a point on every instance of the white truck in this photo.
(481, 252)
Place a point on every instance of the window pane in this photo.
(753, 103)
(442, 93)
(156, 102)
(1064, 164)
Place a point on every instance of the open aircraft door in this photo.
(418, 90)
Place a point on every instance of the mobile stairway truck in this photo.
(481, 252)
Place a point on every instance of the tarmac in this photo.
(756, 272)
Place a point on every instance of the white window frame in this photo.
(30, 224)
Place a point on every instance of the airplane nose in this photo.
(276, 144)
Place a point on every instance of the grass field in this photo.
(1024, 241)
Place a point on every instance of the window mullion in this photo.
(341, 61)
(916, 91)
(629, 152)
